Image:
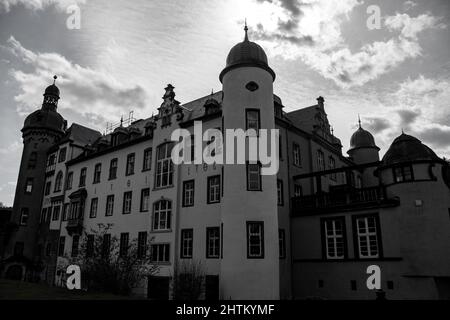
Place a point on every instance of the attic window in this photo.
(252, 86)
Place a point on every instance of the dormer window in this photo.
(403, 173)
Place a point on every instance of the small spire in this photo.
(121, 121)
(54, 79)
(359, 120)
(246, 30)
(332, 131)
(212, 92)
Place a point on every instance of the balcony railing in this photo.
(337, 200)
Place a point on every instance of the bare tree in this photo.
(188, 280)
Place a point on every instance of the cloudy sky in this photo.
(395, 74)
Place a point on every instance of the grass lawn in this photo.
(18, 290)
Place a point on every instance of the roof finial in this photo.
(246, 29)
(359, 120)
(121, 121)
(54, 79)
(212, 92)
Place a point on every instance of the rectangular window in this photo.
(334, 240)
(62, 243)
(82, 182)
(164, 166)
(109, 205)
(90, 243)
(252, 119)
(24, 216)
(320, 160)
(113, 169)
(29, 185)
(282, 243)
(147, 163)
(94, 206)
(254, 177)
(56, 211)
(213, 189)
(97, 172)
(255, 240)
(123, 247)
(213, 242)
(43, 215)
(130, 164)
(65, 215)
(62, 155)
(48, 186)
(142, 245)
(162, 215)
(298, 192)
(126, 209)
(145, 199)
(367, 236)
(403, 173)
(69, 181)
(75, 244)
(297, 155)
(332, 165)
(188, 193)
(280, 195)
(106, 245)
(187, 239)
(160, 252)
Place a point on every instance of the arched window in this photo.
(164, 166)
(58, 181)
(162, 213)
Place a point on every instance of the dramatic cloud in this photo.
(62, 5)
(91, 93)
(311, 31)
(376, 125)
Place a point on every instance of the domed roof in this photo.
(362, 139)
(45, 119)
(408, 148)
(52, 89)
(246, 53)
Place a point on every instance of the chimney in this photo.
(320, 101)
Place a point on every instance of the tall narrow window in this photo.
(253, 177)
(142, 245)
(58, 181)
(43, 215)
(48, 186)
(24, 216)
(69, 180)
(296, 155)
(97, 172)
(113, 169)
(82, 181)
(75, 244)
(252, 119)
(187, 238)
(320, 160)
(160, 253)
(106, 245)
(65, 214)
(123, 247)
(213, 189)
(162, 212)
(130, 164)
(255, 240)
(332, 165)
(109, 205)
(213, 242)
(367, 230)
(94, 206)
(145, 199)
(56, 212)
(90, 243)
(62, 155)
(29, 185)
(62, 243)
(188, 193)
(164, 166)
(127, 202)
(298, 192)
(280, 195)
(147, 163)
(282, 243)
(334, 238)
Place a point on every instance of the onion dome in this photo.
(362, 139)
(406, 148)
(245, 54)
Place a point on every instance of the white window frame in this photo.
(109, 205)
(297, 155)
(369, 236)
(164, 166)
(162, 216)
(213, 242)
(259, 234)
(335, 237)
(214, 189)
(187, 243)
(127, 198)
(188, 193)
(159, 247)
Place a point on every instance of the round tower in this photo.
(249, 267)
(363, 150)
(41, 130)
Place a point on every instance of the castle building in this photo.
(310, 231)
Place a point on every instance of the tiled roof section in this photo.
(81, 135)
(304, 118)
(195, 109)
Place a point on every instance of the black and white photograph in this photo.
(226, 156)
